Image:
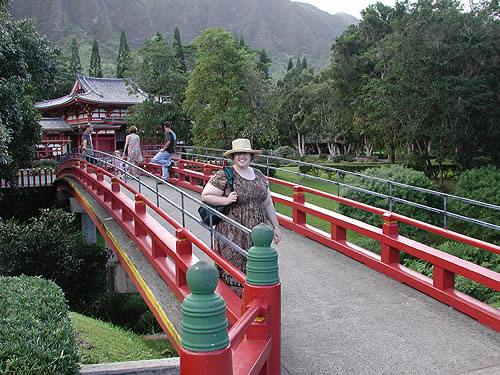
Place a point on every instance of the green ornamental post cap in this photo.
(202, 278)
(262, 235)
(204, 322)
(262, 259)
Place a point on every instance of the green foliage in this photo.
(35, 330)
(179, 51)
(45, 163)
(95, 69)
(397, 174)
(131, 312)
(157, 71)
(52, 247)
(75, 65)
(123, 59)
(27, 74)
(481, 184)
(285, 152)
(215, 95)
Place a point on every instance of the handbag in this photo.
(208, 217)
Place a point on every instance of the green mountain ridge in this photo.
(283, 28)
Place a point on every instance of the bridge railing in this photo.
(211, 154)
(445, 266)
(31, 177)
(440, 286)
(172, 256)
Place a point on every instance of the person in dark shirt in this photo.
(164, 156)
(87, 146)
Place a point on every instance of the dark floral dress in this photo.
(248, 210)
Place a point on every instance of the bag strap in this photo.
(228, 171)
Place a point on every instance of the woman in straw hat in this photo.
(251, 205)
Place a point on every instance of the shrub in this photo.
(397, 174)
(131, 312)
(52, 247)
(45, 163)
(285, 152)
(480, 257)
(481, 184)
(35, 329)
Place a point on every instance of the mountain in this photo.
(283, 28)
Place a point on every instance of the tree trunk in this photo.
(318, 148)
(392, 153)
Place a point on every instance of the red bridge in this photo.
(342, 309)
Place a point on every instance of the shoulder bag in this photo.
(208, 217)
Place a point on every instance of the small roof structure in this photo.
(54, 124)
(96, 91)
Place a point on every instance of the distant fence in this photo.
(31, 178)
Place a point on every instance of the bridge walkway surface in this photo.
(339, 316)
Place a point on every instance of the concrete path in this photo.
(340, 317)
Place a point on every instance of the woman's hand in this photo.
(232, 197)
(277, 235)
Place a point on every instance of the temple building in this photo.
(104, 102)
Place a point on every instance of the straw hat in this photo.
(242, 145)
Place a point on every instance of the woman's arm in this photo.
(272, 217)
(214, 196)
(125, 147)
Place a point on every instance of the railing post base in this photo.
(208, 363)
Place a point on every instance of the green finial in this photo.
(262, 259)
(204, 323)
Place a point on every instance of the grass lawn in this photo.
(102, 342)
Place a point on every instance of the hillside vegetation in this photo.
(283, 28)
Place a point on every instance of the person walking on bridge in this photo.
(132, 148)
(251, 204)
(164, 156)
(87, 145)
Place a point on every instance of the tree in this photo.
(95, 61)
(216, 95)
(157, 71)
(27, 74)
(75, 65)
(123, 59)
(288, 115)
(263, 63)
(290, 65)
(179, 51)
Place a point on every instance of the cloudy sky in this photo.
(352, 7)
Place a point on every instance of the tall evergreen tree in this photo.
(304, 63)
(263, 63)
(179, 52)
(123, 58)
(290, 65)
(299, 64)
(95, 61)
(74, 64)
(242, 41)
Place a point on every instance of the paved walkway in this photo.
(340, 317)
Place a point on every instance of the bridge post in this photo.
(207, 171)
(299, 217)
(205, 341)
(180, 171)
(183, 246)
(140, 210)
(115, 188)
(100, 178)
(390, 227)
(263, 283)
